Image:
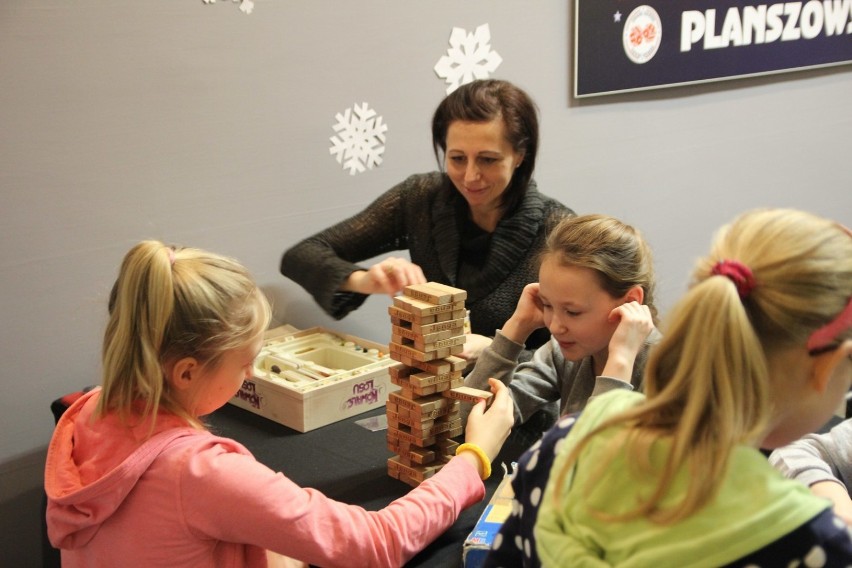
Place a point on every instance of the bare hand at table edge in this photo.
(488, 429)
(389, 277)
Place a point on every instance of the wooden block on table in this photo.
(468, 394)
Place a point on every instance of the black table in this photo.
(349, 464)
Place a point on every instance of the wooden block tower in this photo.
(428, 332)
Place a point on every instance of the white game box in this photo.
(308, 378)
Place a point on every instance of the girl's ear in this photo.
(635, 294)
(823, 366)
(182, 373)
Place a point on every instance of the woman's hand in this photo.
(389, 277)
(634, 325)
(474, 345)
(528, 315)
(488, 429)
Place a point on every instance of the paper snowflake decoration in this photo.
(360, 139)
(469, 57)
(246, 6)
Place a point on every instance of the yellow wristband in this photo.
(480, 453)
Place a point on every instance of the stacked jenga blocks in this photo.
(423, 416)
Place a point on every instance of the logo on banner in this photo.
(643, 32)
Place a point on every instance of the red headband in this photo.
(738, 273)
(829, 332)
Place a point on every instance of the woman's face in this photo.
(480, 162)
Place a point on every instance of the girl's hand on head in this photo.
(634, 325)
(474, 345)
(528, 315)
(488, 429)
(389, 277)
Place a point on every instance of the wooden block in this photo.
(398, 352)
(424, 379)
(441, 366)
(428, 346)
(422, 405)
(468, 394)
(403, 315)
(428, 328)
(437, 428)
(422, 456)
(399, 371)
(448, 316)
(404, 434)
(455, 433)
(428, 293)
(458, 294)
(423, 339)
(446, 446)
(413, 422)
(417, 472)
(424, 309)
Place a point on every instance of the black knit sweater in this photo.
(424, 214)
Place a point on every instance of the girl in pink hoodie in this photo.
(134, 479)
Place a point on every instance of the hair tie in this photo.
(738, 273)
(171, 256)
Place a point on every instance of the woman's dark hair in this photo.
(484, 101)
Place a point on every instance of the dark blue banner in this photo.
(627, 45)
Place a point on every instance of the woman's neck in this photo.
(486, 219)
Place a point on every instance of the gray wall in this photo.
(199, 125)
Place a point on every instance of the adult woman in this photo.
(477, 225)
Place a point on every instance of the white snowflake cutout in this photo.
(469, 57)
(246, 6)
(360, 139)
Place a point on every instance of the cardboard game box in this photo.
(479, 541)
(308, 378)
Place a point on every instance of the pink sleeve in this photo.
(230, 496)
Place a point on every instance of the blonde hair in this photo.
(167, 304)
(616, 252)
(707, 382)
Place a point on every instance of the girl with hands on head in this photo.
(757, 353)
(595, 297)
(131, 462)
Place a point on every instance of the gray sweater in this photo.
(548, 377)
(818, 457)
